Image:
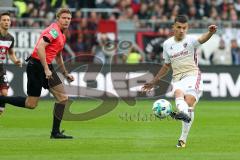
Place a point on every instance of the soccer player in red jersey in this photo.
(6, 48)
(41, 73)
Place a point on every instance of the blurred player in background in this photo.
(179, 54)
(41, 73)
(6, 47)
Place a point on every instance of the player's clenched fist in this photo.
(212, 28)
(69, 77)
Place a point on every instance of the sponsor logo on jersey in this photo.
(54, 33)
(182, 53)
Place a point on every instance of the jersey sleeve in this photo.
(165, 55)
(12, 45)
(195, 42)
(51, 34)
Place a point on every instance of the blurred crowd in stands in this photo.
(82, 36)
(137, 9)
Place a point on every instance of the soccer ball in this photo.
(162, 108)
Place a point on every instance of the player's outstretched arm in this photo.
(162, 72)
(206, 36)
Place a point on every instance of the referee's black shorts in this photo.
(37, 78)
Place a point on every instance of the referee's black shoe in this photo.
(180, 116)
(60, 135)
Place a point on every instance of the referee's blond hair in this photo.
(61, 11)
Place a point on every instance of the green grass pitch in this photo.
(126, 133)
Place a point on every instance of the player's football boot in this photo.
(180, 116)
(60, 135)
(181, 144)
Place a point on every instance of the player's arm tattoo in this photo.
(162, 72)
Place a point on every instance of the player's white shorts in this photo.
(192, 85)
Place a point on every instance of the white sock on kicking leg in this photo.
(186, 126)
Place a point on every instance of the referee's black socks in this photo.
(16, 101)
(57, 117)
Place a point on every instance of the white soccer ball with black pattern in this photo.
(162, 108)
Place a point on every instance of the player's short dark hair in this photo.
(181, 19)
(4, 14)
(63, 10)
